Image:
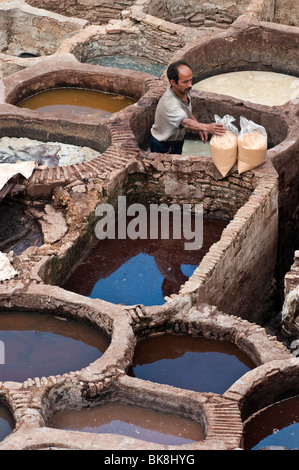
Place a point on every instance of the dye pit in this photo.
(190, 363)
(45, 154)
(277, 425)
(268, 88)
(130, 421)
(138, 64)
(144, 271)
(197, 147)
(76, 101)
(37, 344)
(6, 422)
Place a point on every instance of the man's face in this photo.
(184, 84)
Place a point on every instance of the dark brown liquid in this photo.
(190, 363)
(76, 101)
(140, 271)
(39, 345)
(277, 425)
(130, 421)
(6, 423)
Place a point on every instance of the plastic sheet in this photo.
(8, 170)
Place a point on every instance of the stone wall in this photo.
(137, 34)
(96, 12)
(247, 45)
(191, 13)
(216, 14)
(287, 12)
(27, 29)
(290, 311)
(229, 274)
(292, 277)
(188, 180)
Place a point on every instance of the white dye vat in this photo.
(45, 154)
(196, 147)
(267, 88)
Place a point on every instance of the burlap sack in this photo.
(224, 148)
(252, 145)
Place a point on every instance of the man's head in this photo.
(180, 77)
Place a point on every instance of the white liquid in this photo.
(268, 88)
(196, 148)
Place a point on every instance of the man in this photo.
(174, 113)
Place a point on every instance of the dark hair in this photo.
(172, 71)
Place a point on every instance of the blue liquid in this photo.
(286, 437)
(146, 288)
(138, 64)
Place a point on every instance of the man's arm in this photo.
(192, 124)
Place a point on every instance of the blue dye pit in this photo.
(138, 64)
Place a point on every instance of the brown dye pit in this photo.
(6, 423)
(140, 271)
(276, 425)
(39, 345)
(190, 363)
(76, 101)
(131, 421)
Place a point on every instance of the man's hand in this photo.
(204, 135)
(214, 128)
(203, 129)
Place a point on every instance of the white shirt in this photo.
(170, 112)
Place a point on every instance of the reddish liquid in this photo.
(39, 345)
(6, 423)
(140, 271)
(190, 363)
(277, 425)
(132, 421)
